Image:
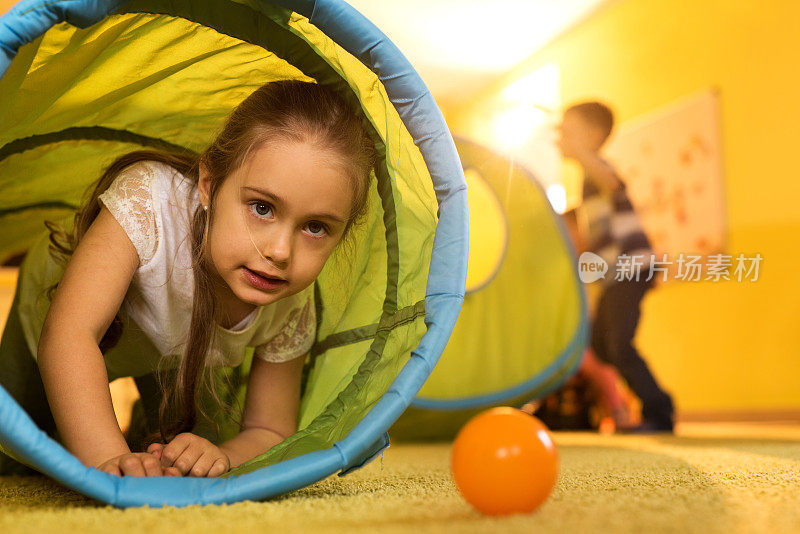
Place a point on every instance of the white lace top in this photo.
(153, 203)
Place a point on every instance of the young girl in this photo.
(199, 257)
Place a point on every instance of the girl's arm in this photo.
(70, 362)
(271, 407)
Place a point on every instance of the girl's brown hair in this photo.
(280, 111)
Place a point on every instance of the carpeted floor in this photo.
(724, 478)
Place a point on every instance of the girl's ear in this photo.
(204, 185)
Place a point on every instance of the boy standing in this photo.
(611, 229)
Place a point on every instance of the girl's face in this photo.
(280, 215)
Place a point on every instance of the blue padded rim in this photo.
(578, 339)
(447, 277)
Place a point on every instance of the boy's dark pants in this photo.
(612, 340)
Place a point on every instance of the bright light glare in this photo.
(515, 126)
(557, 196)
(473, 35)
(540, 88)
(527, 105)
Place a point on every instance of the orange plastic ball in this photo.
(504, 462)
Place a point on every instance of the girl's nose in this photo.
(278, 246)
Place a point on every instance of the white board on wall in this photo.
(671, 161)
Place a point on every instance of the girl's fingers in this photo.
(187, 460)
(132, 466)
(152, 466)
(156, 449)
(111, 470)
(202, 465)
(172, 472)
(218, 468)
(173, 452)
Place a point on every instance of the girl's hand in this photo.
(137, 464)
(191, 455)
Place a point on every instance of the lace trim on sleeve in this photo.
(130, 201)
(295, 337)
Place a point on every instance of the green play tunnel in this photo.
(85, 81)
(522, 327)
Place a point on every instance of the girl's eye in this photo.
(261, 209)
(316, 229)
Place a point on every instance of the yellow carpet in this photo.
(724, 478)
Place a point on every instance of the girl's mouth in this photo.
(261, 282)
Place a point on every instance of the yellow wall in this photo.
(727, 346)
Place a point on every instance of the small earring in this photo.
(205, 208)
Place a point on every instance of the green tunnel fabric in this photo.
(522, 332)
(165, 75)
